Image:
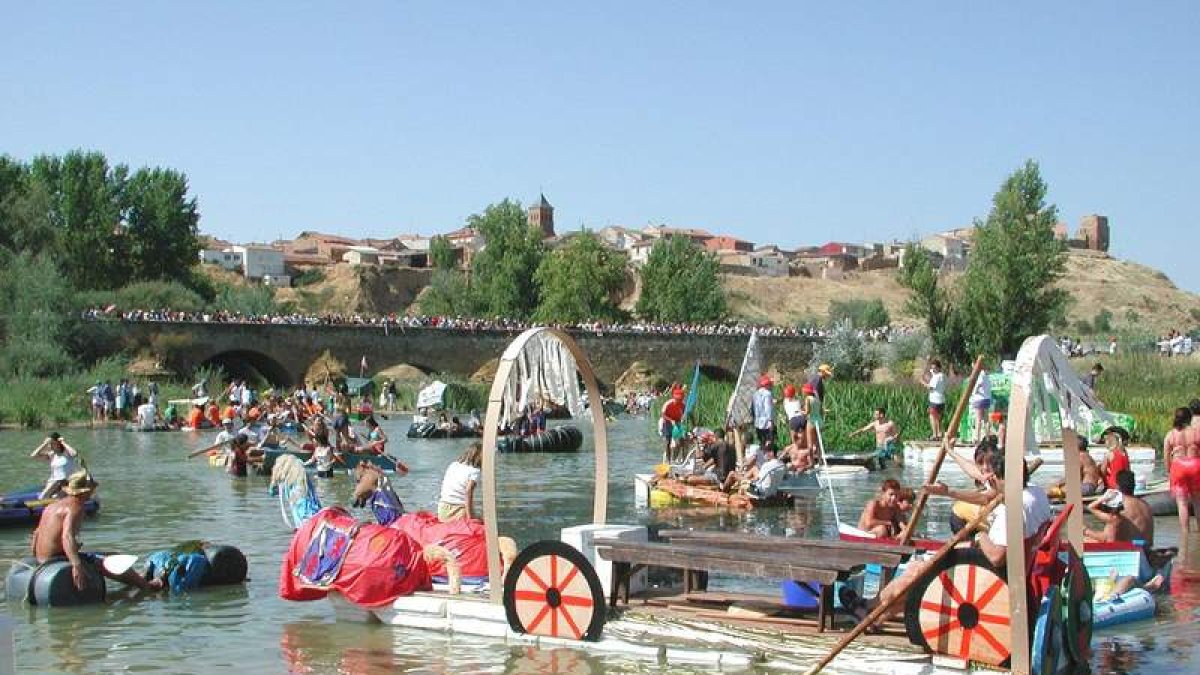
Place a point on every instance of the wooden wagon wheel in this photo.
(961, 608)
(1047, 653)
(1077, 590)
(552, 590)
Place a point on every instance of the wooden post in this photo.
(948, 438)
(491, 423)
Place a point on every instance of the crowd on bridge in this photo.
(400, 322)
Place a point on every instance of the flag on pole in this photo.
(362, 366)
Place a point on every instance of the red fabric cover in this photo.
(464, 538)
(381, 565)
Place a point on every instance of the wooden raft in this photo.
(760, 557)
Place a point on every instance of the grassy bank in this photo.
(461, 395)
(37, 403)
(1146, 386)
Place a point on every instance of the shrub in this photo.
(30, 416)
(861, 313)
(849, 354)
(308, 277)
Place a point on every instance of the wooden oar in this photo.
(208, 449)
(883, 608)
(948, 437)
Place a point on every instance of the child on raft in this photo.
(881, 516)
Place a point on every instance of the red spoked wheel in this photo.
(961, 609)
(552, 590)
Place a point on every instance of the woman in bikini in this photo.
(1181, 453)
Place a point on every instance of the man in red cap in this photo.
(763, 407)
(672, 416)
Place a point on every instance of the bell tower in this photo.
(541, 215)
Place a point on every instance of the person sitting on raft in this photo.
(1091, 477)
(57, 535)
(720, 461)
(376, 439)
(1127, 518)
(881, 516)
(62, 463)
(323, 455)
(886, 433)
(458, 485)
(799, 456)
(993, 542)
(763, 481)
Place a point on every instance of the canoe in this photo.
(24, 508)
(868, 460)
(926, 452)
(670, 492)
(349, 459)
(143, 430)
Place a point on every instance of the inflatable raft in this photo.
(349, 459)
(431, 430)
(192, 565)
(24, 508)
(558, 439)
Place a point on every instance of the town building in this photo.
(721, 242)
(1093, 232)
(263, 263)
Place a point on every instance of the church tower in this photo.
(541, 215)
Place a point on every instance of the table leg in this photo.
(825, 607)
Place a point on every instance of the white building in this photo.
(949, 247)
(639, 252)
(768, 261)
(361, 255)
(225, 258)
(263, 263)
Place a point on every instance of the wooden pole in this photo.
(948, 438)
(882, 608)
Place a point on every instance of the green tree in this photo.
(931, 301)
(441, 254)
(35, 316)
(580, 281)
(447, 295)
(1102, 323)
(860, 312)
(160, 224)
(502, 273)
(1008, 291)
(84, 212)
(680, 283)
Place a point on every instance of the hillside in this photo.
(1140, 298)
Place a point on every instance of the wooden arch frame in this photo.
(1034, 352)
(491, 424)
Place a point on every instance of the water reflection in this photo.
(152, 498)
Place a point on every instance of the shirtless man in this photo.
(57, 535)
(1091, 478)
(886, 433)
(1126, 518)
(881, 516)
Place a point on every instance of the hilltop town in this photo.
(764, 281)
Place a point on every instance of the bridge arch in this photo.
(250, 365)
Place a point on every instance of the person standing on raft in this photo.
(763, 407)
(671, 417)
(57, 535)
(62, 463)
(458, 485)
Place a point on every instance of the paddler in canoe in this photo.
(57, 536)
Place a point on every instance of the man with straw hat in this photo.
(57, 536)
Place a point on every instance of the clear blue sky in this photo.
(788, 122)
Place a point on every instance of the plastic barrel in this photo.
(51, 584)
(226, 565)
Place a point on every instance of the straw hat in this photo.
(80, 483)
(825, 369)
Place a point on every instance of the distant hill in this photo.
(1140, 298)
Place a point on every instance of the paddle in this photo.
(118, 564)
(210, 448)
(948, 438)
(882, 608)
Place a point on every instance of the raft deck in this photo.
(764, 557)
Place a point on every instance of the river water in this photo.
(153, 498)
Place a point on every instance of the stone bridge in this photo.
(282, 353)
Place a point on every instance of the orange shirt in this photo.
(195, 418)
(214, 415)
(673, 410)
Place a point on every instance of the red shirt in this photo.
(673, 410)
(1118, 463)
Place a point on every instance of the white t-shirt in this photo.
(754, 455)
(792, 407)
(770, 475)
(937, 388)
(61, 466)
(324, 458)
(145, 414)
(983, 389)
(1037, 512)
(454, 484)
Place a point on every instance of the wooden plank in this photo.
(782, 545)
(752, 565)
(829, 544)
(816, 559)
